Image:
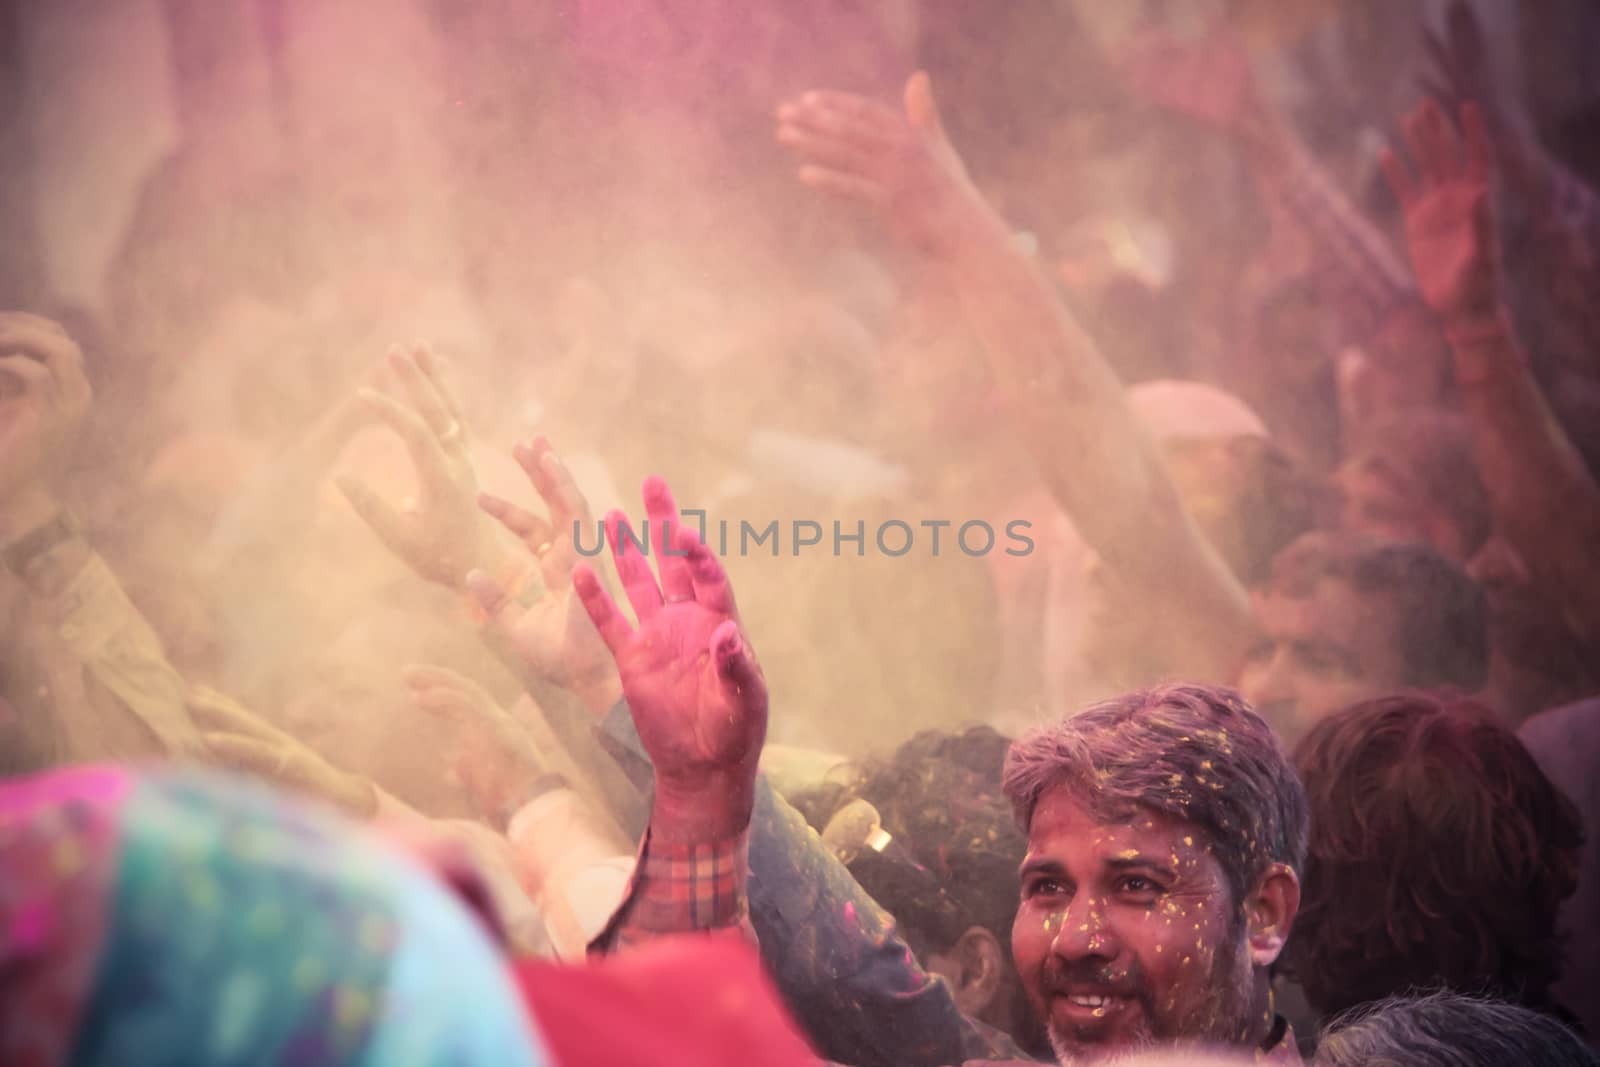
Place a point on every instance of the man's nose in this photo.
(1085, 932)
(1269, 683)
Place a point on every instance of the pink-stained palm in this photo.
(690, 677)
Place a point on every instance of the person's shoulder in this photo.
(1564, 741)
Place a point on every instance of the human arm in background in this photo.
(523, 594)
(1211, 82)
(101, 686)
(113, 693)
(1545, 501)
(1070, 411)
(565, 856)
(549, 632)
(1384, 345)
(539, 629)
(1557, 258)
(445, 536)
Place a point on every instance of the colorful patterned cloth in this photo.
(180, 917)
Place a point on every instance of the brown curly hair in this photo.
(1439, 854)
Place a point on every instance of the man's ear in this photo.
(978, 970)
(1269, 913)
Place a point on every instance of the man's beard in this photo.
(1221, 1020)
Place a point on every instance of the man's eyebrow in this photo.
(1142, 863)
(1324, 649)
(1042, 865)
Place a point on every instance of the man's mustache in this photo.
(1084, 976)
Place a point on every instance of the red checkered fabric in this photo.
(682, 889)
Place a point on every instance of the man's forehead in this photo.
(1062, 822)
(1326, 608)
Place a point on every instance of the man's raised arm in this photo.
(1067, 402)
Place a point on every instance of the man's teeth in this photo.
(1088, 1001)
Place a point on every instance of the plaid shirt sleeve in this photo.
(680, 889)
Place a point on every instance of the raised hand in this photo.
(550, 632)
(1449, 220)
(497, 759)
(902, 165)
(445, 536)
(691, 679)
(44, 396)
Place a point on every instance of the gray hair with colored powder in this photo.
(1194, 752)
(1443, 1029)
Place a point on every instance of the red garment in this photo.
(693, 1001)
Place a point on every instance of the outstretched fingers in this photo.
(633, 566)
(379, 515)
(419, 440)
(613, 628)
(528, 527)
(551, 480)
(425, 399)
(662, 511)
(711, 586)
(847, 186)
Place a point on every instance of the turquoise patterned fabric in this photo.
(241, 927)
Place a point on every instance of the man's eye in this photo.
(1134, 885)
(1319, 661)
(1044, 887)
(1261, 653)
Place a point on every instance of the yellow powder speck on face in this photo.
(1128, 854)
(1158, 948)
(1188, 840)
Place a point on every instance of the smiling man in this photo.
(1165, 830)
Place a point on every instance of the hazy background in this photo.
(237, 204)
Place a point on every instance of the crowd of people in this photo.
(1175, 646)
